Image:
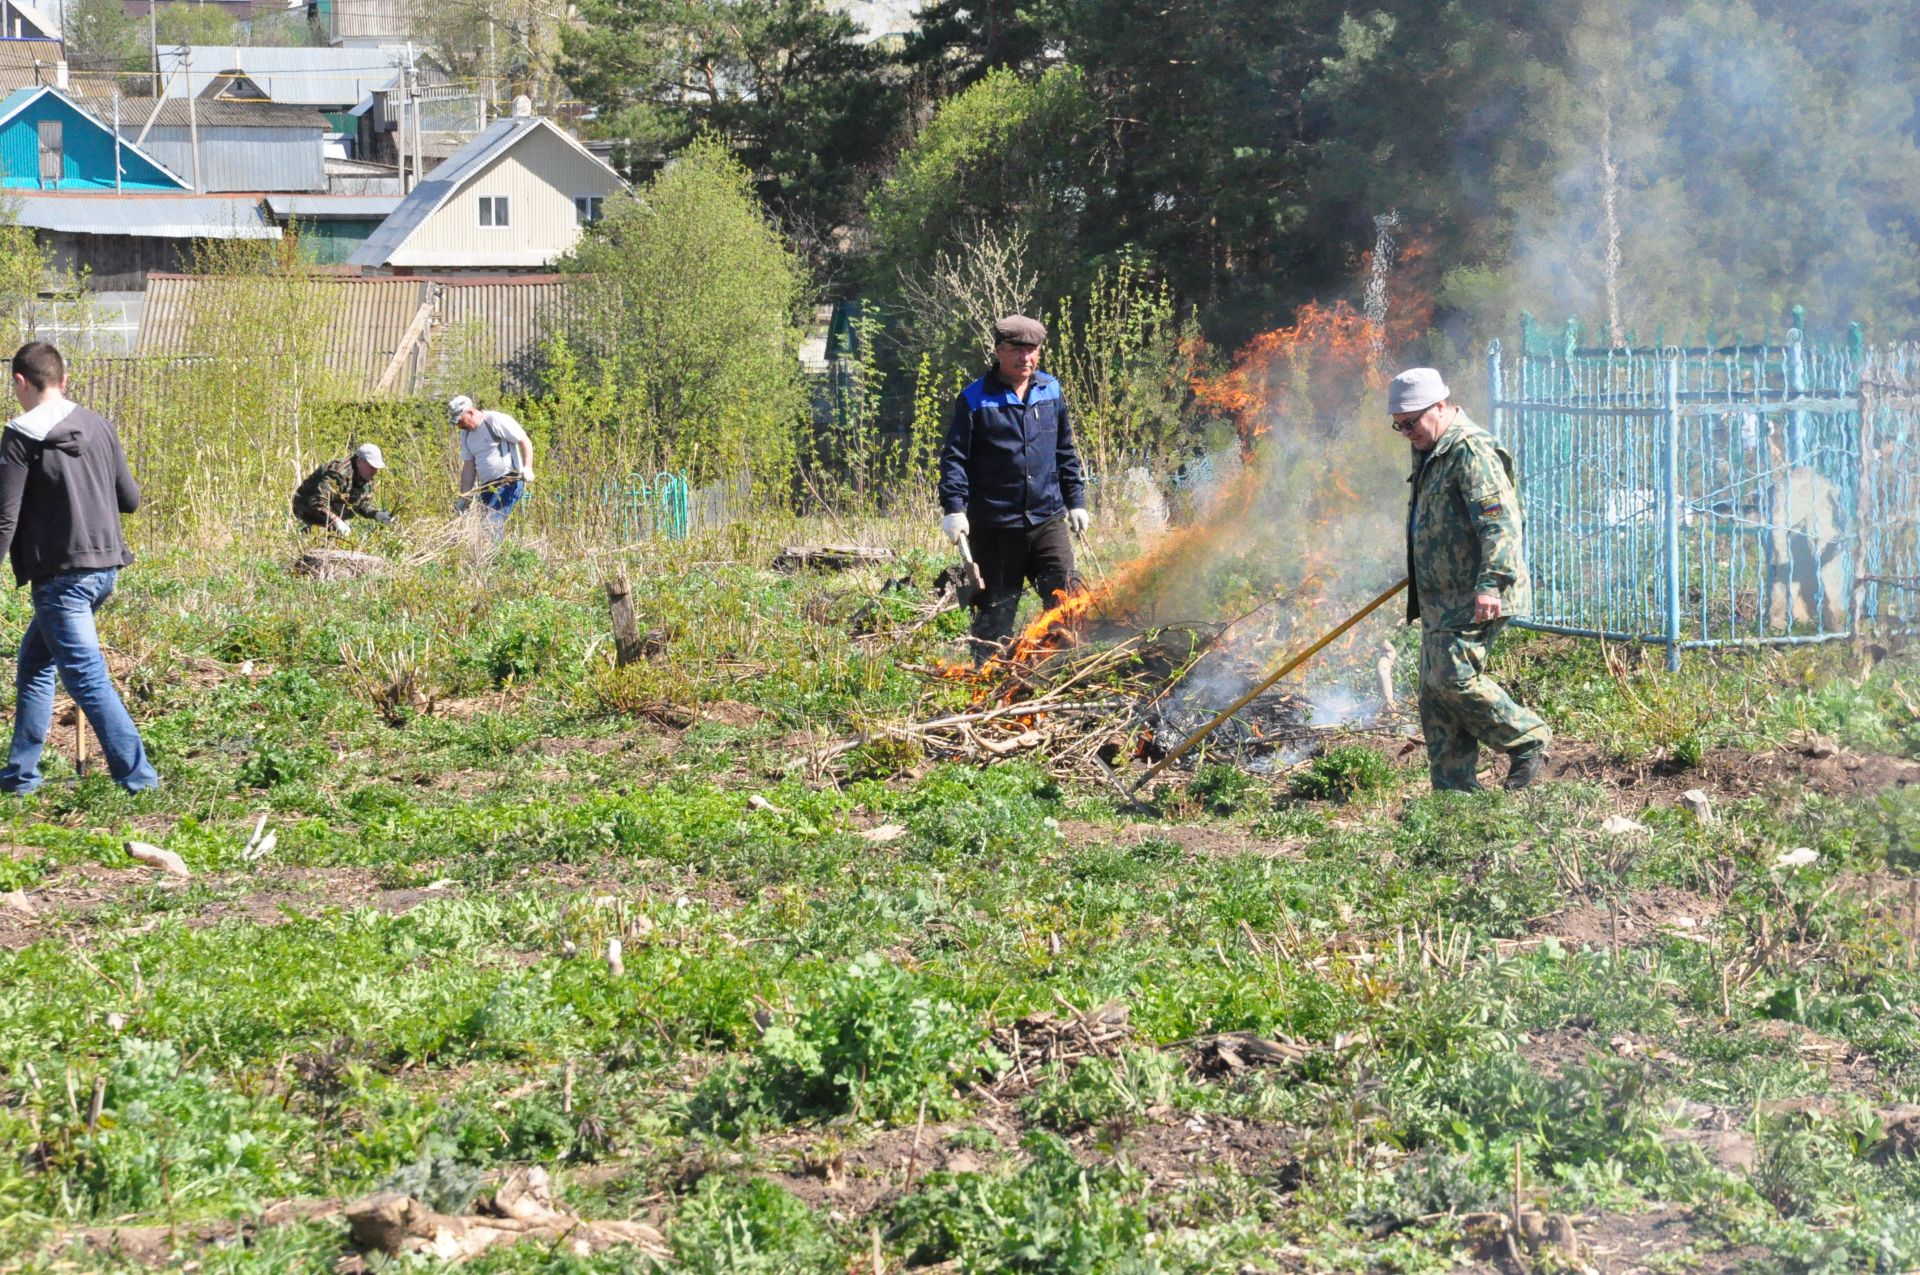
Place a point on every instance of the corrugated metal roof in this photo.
(179, 113)
(26, 64)
(359, 207)
(514, 317)
(367, 318)
(302, 76)
(147, 216)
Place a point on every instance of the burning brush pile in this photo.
(1297, 527)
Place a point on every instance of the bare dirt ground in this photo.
(1639, 918)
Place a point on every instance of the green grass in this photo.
(412, 989)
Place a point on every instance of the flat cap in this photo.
(1020, 330)
(1415, 390)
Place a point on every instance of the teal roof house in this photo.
(47, 143)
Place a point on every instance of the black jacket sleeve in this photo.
(1073, 485)
(14, 458)
(125, 490)
(953, 458)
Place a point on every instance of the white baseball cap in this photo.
(457, 407)
(370, 452)
(1415, 390)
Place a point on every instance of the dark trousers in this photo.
(1010, 558)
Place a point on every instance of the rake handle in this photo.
(1187, 744)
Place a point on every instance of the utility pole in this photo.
(193, 115)
(405, 140)
(153, 42)
(413, 116)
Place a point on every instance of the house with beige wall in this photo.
(513, 198)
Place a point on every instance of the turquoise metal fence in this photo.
(1715, 494)
(649, 507)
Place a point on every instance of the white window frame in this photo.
(494, 206)
(588, 209)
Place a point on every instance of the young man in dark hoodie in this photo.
(64, 483)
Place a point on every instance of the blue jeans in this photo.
(502, 499)
(61, 639)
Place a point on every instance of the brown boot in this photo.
(1526, 767)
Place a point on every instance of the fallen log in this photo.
(522, 1209)
(830, 557)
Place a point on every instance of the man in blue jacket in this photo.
(1010, 482)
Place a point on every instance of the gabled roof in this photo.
(445, 181)
(41, 25)
(295, 76)
(235, 86)
(132, 158)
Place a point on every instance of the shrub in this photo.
(1342, 773)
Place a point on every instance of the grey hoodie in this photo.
(64, 483)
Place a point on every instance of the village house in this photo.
(102, 205)
(513, 198)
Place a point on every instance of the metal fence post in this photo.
(1670, 499)
(1493, 386)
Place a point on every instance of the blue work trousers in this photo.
(61, 640)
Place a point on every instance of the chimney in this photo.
(60, 74)
(522, 107)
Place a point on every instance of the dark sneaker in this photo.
(1526, 768)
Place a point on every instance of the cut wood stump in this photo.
(337, 564)
(830, 557)
(630, 645)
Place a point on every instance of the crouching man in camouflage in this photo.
(340, 489)
(1469, 576)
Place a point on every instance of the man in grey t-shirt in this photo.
(496, 457)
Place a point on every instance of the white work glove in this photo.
(341, 527)
(1078, 520)
(954, 526)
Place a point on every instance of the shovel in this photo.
(972, 583)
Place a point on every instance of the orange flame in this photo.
(1324, 357)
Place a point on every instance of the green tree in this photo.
(786, 81)
(195, 24)
(698, 302)
(102, 36)
(1011, 157)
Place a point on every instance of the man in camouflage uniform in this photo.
(340, 489)
(1469, 576)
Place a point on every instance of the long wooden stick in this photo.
(1292, 664)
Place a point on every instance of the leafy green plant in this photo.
(1099, 1090)
(749, 1226)
(1054, 1216)
(873, 1044)
(1342, 773)
(1221, 787)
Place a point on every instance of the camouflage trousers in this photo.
(1462, 708)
